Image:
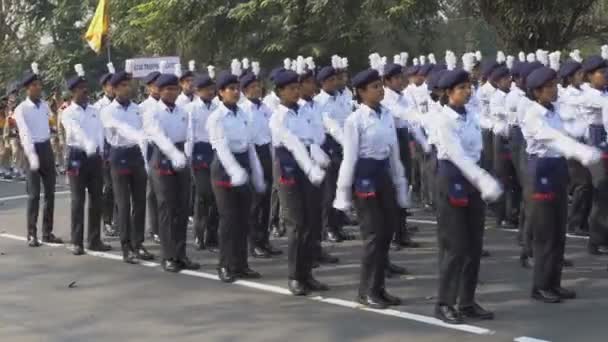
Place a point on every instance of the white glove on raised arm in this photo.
(343, 200)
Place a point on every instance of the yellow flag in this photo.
(99, 27)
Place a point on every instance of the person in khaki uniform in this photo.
(11, 134)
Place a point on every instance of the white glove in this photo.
(259, 185)
(239, 177)
(403, 196)
(90, 148)
(319, 156)
(343, 200)
(316, 175)
(490, 189)
(590, 156)
(178, 161)
(34, 162)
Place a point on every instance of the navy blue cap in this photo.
(432, 81)
(424, 70)
(516, 68)
(365, 77)
(284, 78)
(203, 81)
(526, 69)
(499, 73)
(453, 78)
(392, 69)
(325, 73)
(438, 67)
(540, 77)
(151, 77)
(119, 77)
(166, 80)
(593, 63)
(73, 82)
(186, 75)
(411, 71)
(105, 78)
(487, 67)
(28, 78)
(275, 71)
(247, 79)
(569, 68)
(225, 79)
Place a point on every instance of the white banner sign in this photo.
(143, 66)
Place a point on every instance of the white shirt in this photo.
(512, 101)
(537, 121)
(148, 104)
(183, 99)
(123, 125)
(429, 121)
(458, 136)
(312, 109)
(301, 124)
(229, 129)
(198, 114)
(397, 102)
(571, 102)
(33, 123)
(334, 106)
(499, 113)
(259, 119)
(102, 103)
(83, 127)
(272, 101)
(595, 106)
(484, 94)
(346, 97)
(418, 96)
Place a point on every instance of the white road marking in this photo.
(283, 291)
(12, 198)
(528, 339)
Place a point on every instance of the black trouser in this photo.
(403, 138)
(517, 144)
(417, 167)
(598, 218)
(332, 218)
(301, 206)
(581, 188)
(233, 205)
(205, 209)
(108, 204)
(86, 178)
(130, 180)
(46, 175)
(379, 218)
(460, 237)
(507, 207)
(260, 208)
(546, 217)
(487, 153)
(152, 208)
(428, 175)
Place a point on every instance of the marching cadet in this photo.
(462, 187)
(109, 207)
(123, 122)
(32, 119)
(546, 188)
(483, 95)
(85, 142)
(571, 102)
(167, 129)
(296, 137)
(507, 207)
(146, 108)
(595, 108)
(258, 116)
(234, 170)
(371, 162)
(200, 153)
(186, 83)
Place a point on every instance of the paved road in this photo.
(112, 300)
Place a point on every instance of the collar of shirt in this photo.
(453, 114)
(124, 105)
(167, 107)
(33, 103)
(375, 112)
(203, 103)
(289, 110)
(329, 95)
(256, 102)
(152, 98)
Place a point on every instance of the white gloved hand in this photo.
(319, 156)
(34, 162)
(178, 161)
(490, 189)
(590, 156)
(90, 149)
(259, 185)
(343, 200)
(316, 175)
(403, 196)
(239, 177)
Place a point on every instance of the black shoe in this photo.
(506, 225)
(594, 249)
(475, 311)
(33, 241)
(396, 245)
(524, 261)
(485, 253)
(128, 256)
(568, 263)
(143, 254)
(199, 244)
(373, 302)
(279, 231)
(546, 296)
(390, 299)
(564, 293)
(272, 250)
(258, 252)
(578, 232)
(100, 247)
(171, 266)
(156, 238)
(326, 258)
(51, 239)
(76, 250)
(408, 243)
(314, 285)
(395, 269)
(188, 264)
(248, 273)
(225, 275)
(448, 314)
(109, 231)
(297, 288)
(334, 236)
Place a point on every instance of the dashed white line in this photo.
(528, 339)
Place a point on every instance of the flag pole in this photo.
(108, 48)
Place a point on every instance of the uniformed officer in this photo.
(123, 122)
(186, 83)
(32, 119)
(234, 170)
(371, 162)
(462, 187)
(84, 141)
(167, 130)
(200, 153)
(258, 117)
(296, 137)
(548, 147)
